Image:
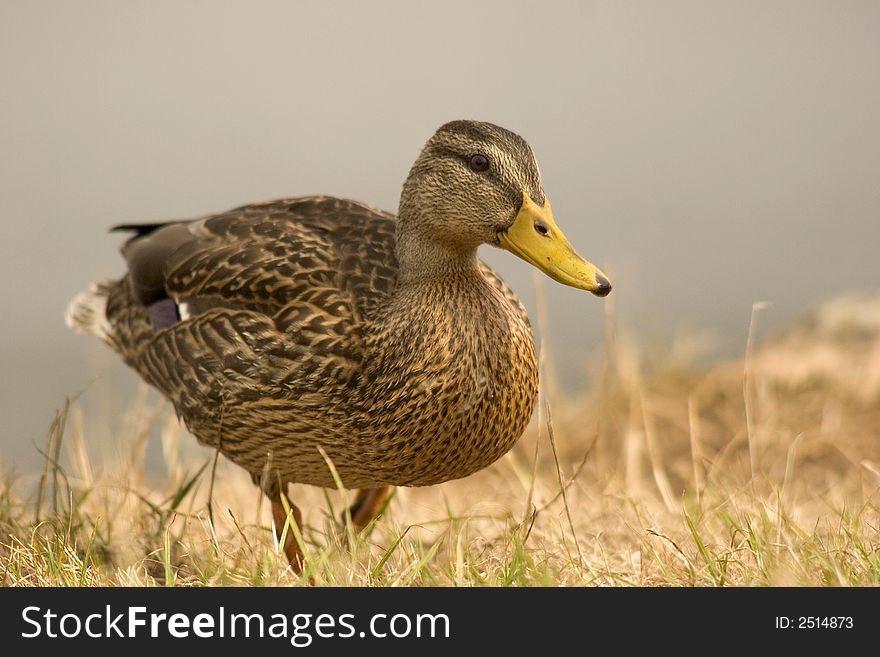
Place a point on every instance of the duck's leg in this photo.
(279, 517)
(367, 504)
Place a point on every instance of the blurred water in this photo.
(706, 154)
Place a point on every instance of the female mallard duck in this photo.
(290, 330)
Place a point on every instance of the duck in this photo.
(318, 340)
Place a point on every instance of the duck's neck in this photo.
(422, 259)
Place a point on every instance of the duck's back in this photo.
(266, 256)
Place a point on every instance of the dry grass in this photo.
(763, 472)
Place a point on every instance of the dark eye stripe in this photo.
(494, 175)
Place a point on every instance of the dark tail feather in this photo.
(139, 229)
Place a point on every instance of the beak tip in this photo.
(603, 286)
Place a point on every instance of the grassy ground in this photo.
(764, 471)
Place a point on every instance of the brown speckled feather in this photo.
(294, 335)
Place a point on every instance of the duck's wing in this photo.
(265, 256)
(260, 300)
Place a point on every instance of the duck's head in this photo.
(476, 183)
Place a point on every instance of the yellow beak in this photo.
(535, 237)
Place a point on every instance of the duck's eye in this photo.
(478, 163)
(542, 228)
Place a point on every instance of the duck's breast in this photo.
(454, 387)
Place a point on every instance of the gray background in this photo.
(706, 154)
